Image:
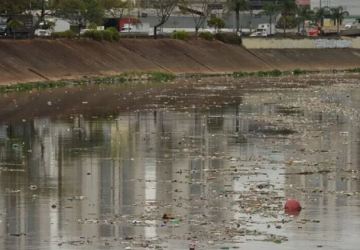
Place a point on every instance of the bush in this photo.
(69, 34)
(110, 34)
(206, 35)
(297, 72)
(161, 76)
(15, 24)
(107, 35)
(273, 73)
(354, 70)
(92, 26)
(231, 38)
(114, 32)
(96, 35)
(181, 35)
(217, 23)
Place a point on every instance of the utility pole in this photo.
(43, 10)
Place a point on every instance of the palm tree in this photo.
(14, 25)
(320, 14)
(270, 9)
(337, 15)
(288, 9)
(237, 6)
(303, 13)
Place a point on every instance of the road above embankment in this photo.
(39, 60)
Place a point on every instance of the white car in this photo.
(43, 32)
(259, 33)
(348, 26)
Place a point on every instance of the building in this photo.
(303, 2)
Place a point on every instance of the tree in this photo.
(45, 7)
(320, 14)
(11, 7)
(288, 9)
(74, 10)
(303, 13)
(115, 7)
(271, 9)
(113, 4)
(163, 8)
(237, 6)
(80, 12)
(94, 11)
(216, 23)
(199, 11)
(338, 15)
(14, 25)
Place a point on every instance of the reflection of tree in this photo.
(111, 163)
(16, 145)
(215, 121)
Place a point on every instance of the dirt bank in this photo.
(38, 60)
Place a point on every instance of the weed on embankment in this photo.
(152, 77)
(272, 73)
(124, 78)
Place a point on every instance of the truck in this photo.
(142, 28)
(59, 25)
(264, 30)
(24, 29)
(128, 25)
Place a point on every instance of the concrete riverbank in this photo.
(39, 60)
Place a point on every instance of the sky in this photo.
(353, 6)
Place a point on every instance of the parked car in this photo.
(264, 30)
(43, 32)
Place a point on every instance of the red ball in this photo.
(292, 206)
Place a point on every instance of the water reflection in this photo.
(106, 182)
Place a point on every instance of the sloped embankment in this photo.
(38, 60)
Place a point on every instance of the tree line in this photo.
(84, 12)
(291, 13)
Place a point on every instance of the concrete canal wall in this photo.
(306, 43)
(38, 60)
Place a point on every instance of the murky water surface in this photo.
(168, 177)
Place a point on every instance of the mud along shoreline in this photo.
(181, 93)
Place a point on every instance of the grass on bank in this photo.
(159, 77)
(272, 73)
(152, 77)
(354, 70)
(110, 35)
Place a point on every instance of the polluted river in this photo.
(196, 163)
